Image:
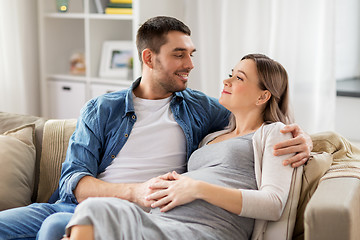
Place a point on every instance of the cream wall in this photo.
(347, 120)
(347, 114)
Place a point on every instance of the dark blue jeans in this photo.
(25, 222)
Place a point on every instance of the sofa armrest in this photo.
(333, 212)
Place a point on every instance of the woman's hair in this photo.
(152, 34)
(272, 77)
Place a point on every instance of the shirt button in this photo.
(133, 117)
(126, 135)
(112, 156)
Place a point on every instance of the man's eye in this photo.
(178, 56)
(230, 75)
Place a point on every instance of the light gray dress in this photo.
(229, 163)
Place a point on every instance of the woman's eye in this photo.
(237, 77)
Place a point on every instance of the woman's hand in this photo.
(139, 191)
(301, 144)
(178, 191)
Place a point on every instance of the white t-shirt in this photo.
(156, 145)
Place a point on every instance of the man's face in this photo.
(173, 63)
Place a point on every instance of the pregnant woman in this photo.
(232, 179)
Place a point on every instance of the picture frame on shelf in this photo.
(116, 59)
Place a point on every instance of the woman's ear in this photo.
(264, 97)
(147, 57)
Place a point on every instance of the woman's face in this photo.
(241, 91)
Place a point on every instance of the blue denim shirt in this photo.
(105, 124)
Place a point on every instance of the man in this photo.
(125, 139)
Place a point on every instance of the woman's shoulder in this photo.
(273, 126)
(271, 130)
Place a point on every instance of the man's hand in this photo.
(140, 190)
(179, 191)
(301, 144)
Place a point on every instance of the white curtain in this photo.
(19, 73)
(298, 33)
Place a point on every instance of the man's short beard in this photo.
(172, 87)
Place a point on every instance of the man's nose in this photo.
(188, 64)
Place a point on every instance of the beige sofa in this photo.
(328, 208)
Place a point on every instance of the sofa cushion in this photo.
(10, 121)
(17, 161)
(55, 142)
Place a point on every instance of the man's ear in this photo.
(147, 57)
(264, 97)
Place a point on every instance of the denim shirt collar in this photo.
(129, 102)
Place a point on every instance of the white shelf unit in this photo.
(79, 30)
(82, 29)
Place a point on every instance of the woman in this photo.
(220, 195)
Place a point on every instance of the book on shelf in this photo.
(100, 5)
(109, 10)
(119, 5)
(120, 1)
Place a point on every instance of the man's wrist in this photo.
(120, 190)
(128, 192)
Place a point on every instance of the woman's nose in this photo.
(227, 82)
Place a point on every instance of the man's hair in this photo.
(152, 34)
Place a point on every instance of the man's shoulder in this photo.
(109, 98)
(105, 103)
(193, 92)
(197, 96)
